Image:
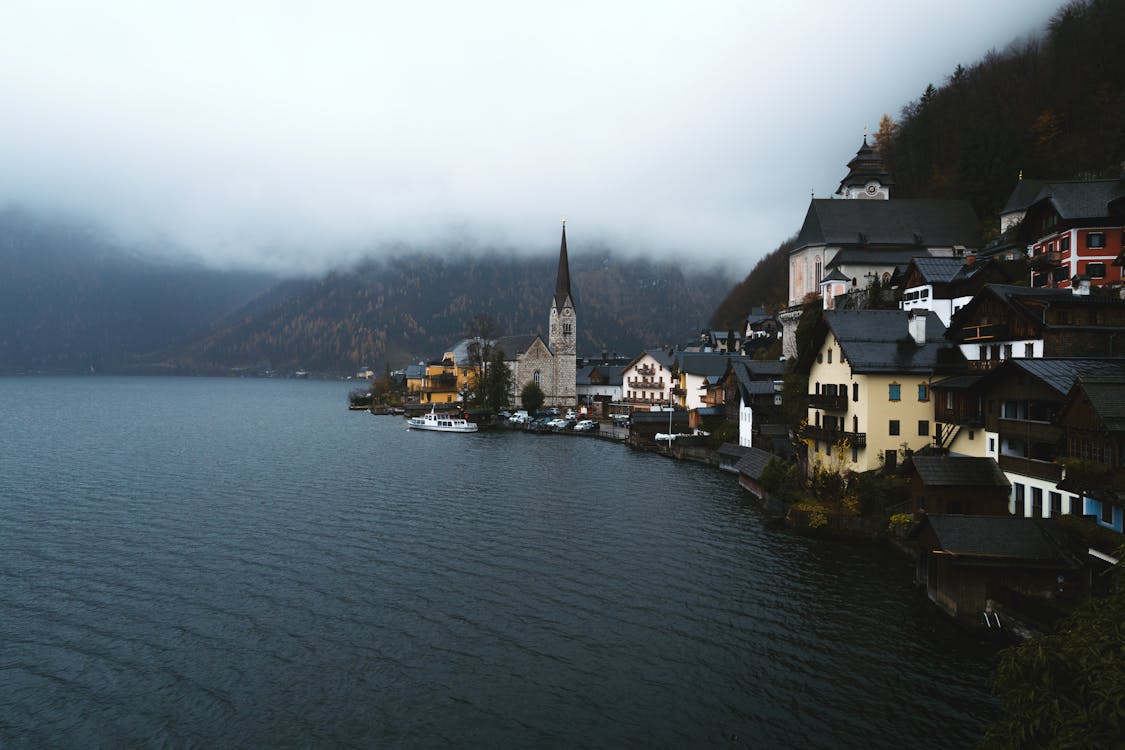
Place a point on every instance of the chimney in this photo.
(917, 326)
(970, 259)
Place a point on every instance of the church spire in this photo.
(562, 281)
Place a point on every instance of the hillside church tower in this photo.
(563, 334)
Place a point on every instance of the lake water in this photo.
(218, 563)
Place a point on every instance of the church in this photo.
(551, 363)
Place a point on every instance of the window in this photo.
(923, 427)
(1064, 244)
(895, 392)
(923, 392)
(1007, 351)
(992, 445)
(819, 358)
(892, 428)
(972, 435)
(983, 353)
(1036, 502)
(1056, 503)
(536, 377)
(1107, 513)
(949, 399)
(1061, 273)
(567, 328)
(1017, 499)
(830, 355)
(1095, 240)
(1029, 350)
(855, 391)
(1095, 270)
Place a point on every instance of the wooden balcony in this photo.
(647, 370)
(1029, 467)
(1034, 432)
(1046, 259)
(855, 439)
(828, 402)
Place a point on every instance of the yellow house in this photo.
(443, 381)
(870, 373)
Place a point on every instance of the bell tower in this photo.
(563, 333)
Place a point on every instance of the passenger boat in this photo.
(440, 423)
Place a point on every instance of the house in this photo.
(413, 378)
(945, 285)
(649, 378)
(599, 385)
(748, 389)
(750, 468)
(696, 373)
(729, 455)
(850, 242)
(869, 375)
(1075, 229)
(968, 564)
(1010, 322)
(1017, 424)
(961, 485)
(443, 381)
(1092, 421)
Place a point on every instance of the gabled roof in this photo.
(959, 471)
(711, 364)
(1011, 296)
(942, 270)
(767, 368)
(1022, 195)
(835, 275)
(513, 346)
(921, 223)
(995, 537)
(864, 167)
(879, 341)
(1080, 199)
(1057, 373)
(612, 374)
(1106, 396)
(753, 463)
(415, 372)
(865, 256)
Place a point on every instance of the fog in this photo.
(297, 136)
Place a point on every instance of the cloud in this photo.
(298, 136)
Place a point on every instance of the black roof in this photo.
(711, 364)
(513, 346)
(1061, 374)
(1107, 397)
(880, 340)
(921, 223)
(730, 450)
(1022, 195)
(876, 256)
(753, 463)
(1012, 537)
(760, 368)
(866, 166)
(959, 382)
(562, 280)
(942, 270)
(1081, 199)
(959, 471)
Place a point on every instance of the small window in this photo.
(1029, 350)
(829, 356)
(923, 427)
(1095, 270)
(1064, 244)
(819, 358)
(972, 435)
(1056, 503)
(992, 445)
(892, 427)
(855, 391)
(949, 399)
(1095, 240)
(1007, 351)
(983, 353)
(895, 392)
(1061, 273)
(923, 392)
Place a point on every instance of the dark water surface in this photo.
(204, 562)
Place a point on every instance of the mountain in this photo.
(413, 307)
(74, 300)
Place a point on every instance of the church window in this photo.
(535, 376)
(567, 328)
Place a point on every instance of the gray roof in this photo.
(922, 223)
(730, 450)
(835, 275)
(707, 364)
(759, 387)
(1061, 374)
(612, 373)
(959, 471)
(864, 167)
(753, 463)
(880, 341)
(413, 372)
(959, 382)
(1013, 537)
(875, 256)
(942, 270)
(1081, 199)
(513, 346)
(765, 367)
(1107, 396)
(662, 356)
(1022, 195)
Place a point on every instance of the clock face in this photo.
(871, 189)
(566, 311)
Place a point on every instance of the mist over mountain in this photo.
(74, 300)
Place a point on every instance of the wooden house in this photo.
(962, 485)
(1092, 422)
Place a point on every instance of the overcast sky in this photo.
(300, 134)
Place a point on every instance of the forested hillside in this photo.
(413, 307)
(1052, 106)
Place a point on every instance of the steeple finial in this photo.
(562, 281)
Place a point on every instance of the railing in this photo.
(650, 385)
(855, 439)
(1030, 467)
(646, 370)
(984, 332)
(1043, 259)
(1039, 432)
(677, 391)
(828, 401)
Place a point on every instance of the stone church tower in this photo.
(563, 335)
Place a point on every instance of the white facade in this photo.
(1002, 350)
(745, 424)
(922, 298)
(647, 381)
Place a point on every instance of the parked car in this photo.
(586, 425)
(537, 423)
(519, 419)
(555, 424)
(571, 414)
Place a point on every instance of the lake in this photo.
(225, 562)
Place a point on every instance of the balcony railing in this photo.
(1036, 432)
(649, 385)
(1046, 259)
(1029, 467)
(646, 370)
(983, 332)
(828, 402)
(678, 391)
(855, 439)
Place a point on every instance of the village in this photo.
(962, 400)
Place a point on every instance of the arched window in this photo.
(535, 377)
(567, 328)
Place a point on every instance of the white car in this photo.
(556, 424)
(586, 425)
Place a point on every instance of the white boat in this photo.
(440, 423)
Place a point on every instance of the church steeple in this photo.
(562, 280)
(867, 176)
